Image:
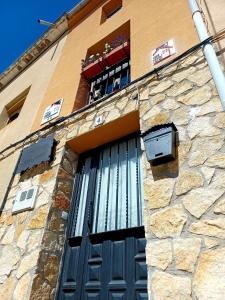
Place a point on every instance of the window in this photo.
(105, 68)
(14, 107)
(110, 9)
(12, 110)
(109, 81)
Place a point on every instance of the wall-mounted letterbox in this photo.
(160, 143)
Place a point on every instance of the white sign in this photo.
(25, 199)
(52, 111)
(162, 52)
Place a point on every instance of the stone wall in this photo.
(184, 199)
(31, 242)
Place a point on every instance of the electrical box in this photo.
(25, 199)
(160, 143)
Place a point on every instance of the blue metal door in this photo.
(105, 250)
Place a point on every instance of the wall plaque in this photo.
(36, 153)
(52, 111)
(162, 52)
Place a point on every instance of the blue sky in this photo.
(19, 28)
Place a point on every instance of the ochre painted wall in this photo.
(37, 77)
(215, 15)
(151, 24)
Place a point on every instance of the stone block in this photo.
(183, 74)
(47, 176)
(209, 227)
(214, 105)
(159, 193)
(19, 230)
(210, 243)
(155, 110)
(39, 219)
(184, 150)
(210, 274)
(187, 180)
(51, 269)
(157, 99)
(9, 235)
(208, 173)
(168, 222)
(9, 257)
(179, 88)
(186, 252)
(27, 263)
(202, 126)
(21, 291)
(181, 116)
(217, 160)
(200, 153)
(161, 87)
(161, 118)
(165, 286)
(41, 290)
(196, 97)
(61, 201)
(159, 254)
(198, 201)
(220, 207)
(22, 240)
(7, 288)
(170, 104)
(34, 239)
(219, 120)
(199, 79)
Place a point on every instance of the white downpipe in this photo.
(209, 51)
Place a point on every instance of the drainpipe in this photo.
(209, 51)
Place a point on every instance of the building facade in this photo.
(86, 212)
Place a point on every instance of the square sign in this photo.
(162, 52)
(52, 111)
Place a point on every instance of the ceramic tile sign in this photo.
(99, 120)
(52, 111)
(165, 50)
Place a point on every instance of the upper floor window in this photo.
(14, 107)
(108, 72)
(111, 8)
(12, 110)
(105, 68)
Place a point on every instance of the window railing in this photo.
(109, 81)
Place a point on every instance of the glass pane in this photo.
(110, 86)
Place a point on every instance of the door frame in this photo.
(137, 231)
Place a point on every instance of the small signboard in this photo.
(162, 52)
(99, 120)
(52, 111)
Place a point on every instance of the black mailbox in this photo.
(160, 143)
